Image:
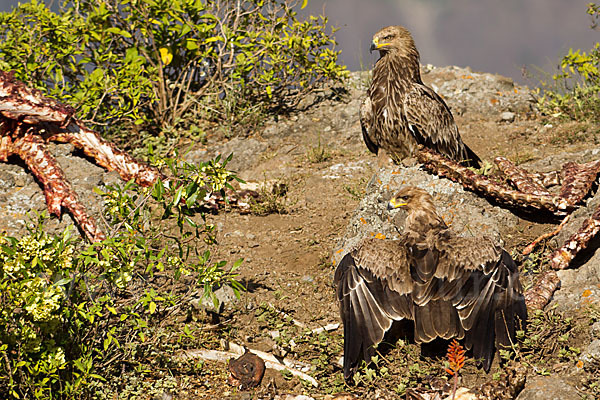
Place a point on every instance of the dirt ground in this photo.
(288, 267)
(321, 166)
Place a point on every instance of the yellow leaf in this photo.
(166, 56)
(304, 3)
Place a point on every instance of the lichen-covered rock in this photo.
(466, 91)
(591, 356)
(466, 213)
(548, 388)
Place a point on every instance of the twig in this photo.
(224, 356)
(545, 236)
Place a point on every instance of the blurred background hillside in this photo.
(487, 35)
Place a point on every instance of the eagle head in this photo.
(394, 39)
(410, 197)
(422, 214)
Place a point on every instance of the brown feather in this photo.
(400, 112)
(448, 285)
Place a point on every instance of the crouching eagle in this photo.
(400, 112)
(450, 286)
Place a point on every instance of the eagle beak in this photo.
(395, 203)
(373, 46)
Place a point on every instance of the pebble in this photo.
(595, 331)
(507, 116)
(591, 355)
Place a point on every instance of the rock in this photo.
(466, 91)
(224, 295)
(579, 286)
(548, 388)
(462, 394)
(591, 356)
(507, 116)
(466, 213)
(595, 330)
(246, 152)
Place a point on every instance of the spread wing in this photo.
(449, 286)
(371, 297)
(481, 283)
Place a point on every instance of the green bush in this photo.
(575, 92)
(72, 315)
(164, 63)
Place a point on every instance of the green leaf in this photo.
(178, 196)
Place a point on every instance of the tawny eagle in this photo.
(400, 111)
(449, 286)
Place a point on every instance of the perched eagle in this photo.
(449, 286)
(400, 112)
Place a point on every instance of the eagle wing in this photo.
(371, 295)
(478, 280)
(431, 122)
(366, 116)
(449, 286)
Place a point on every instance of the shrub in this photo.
(575, 91)
(71, 316)
(162, 63)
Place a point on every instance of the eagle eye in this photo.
(388, 37)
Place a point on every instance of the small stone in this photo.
(308, 278)
(507, 116)
(595, 331)
(163, 396)
(591, 356)
(225, 295)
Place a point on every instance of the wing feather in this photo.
(449, 286)
(368, 307)
(433, 125)
(366, 124)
